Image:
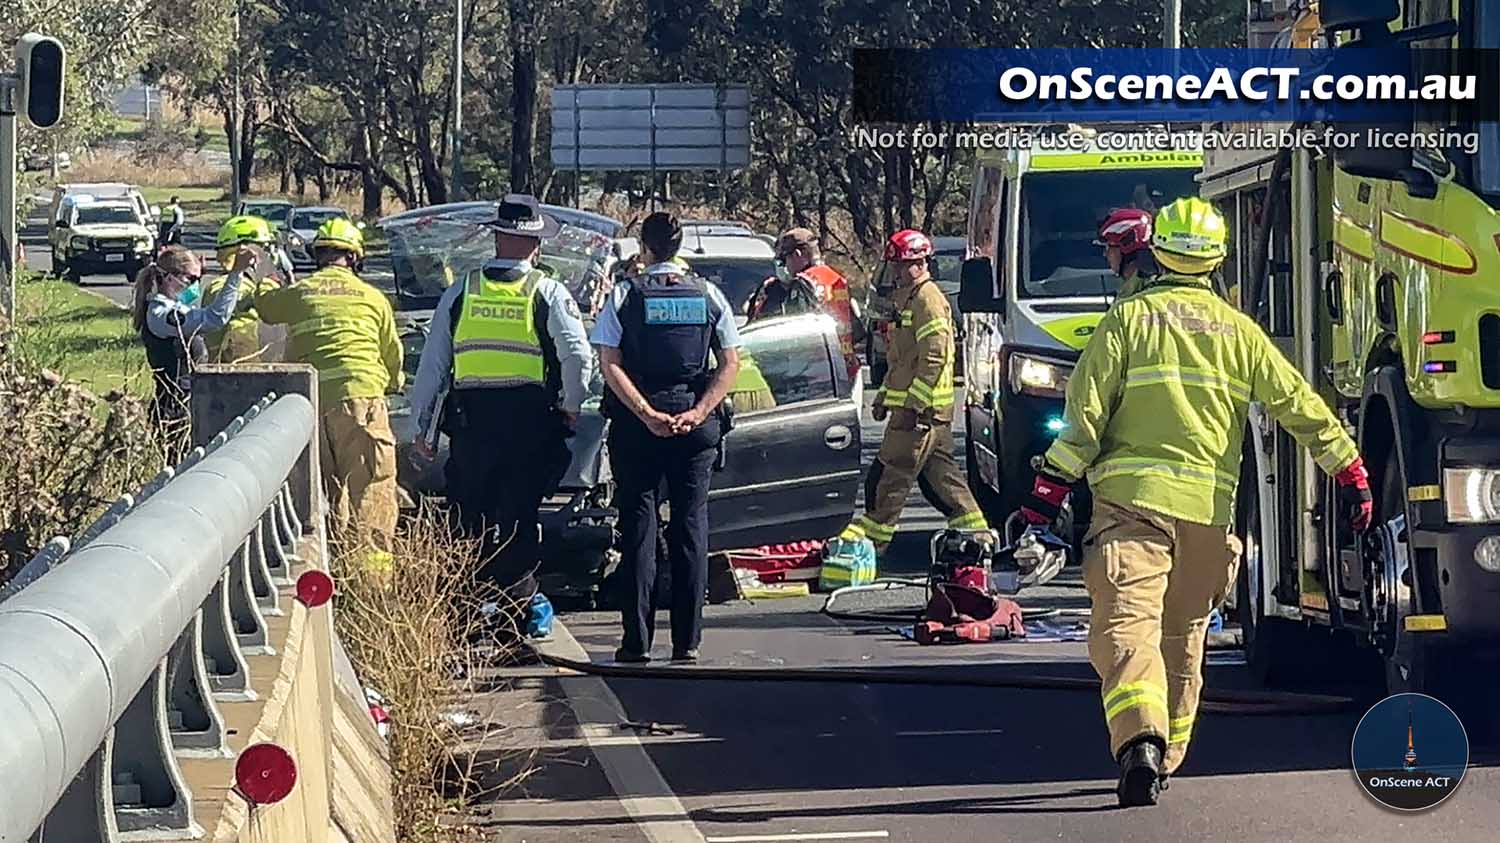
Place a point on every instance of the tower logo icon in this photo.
(1398, 776)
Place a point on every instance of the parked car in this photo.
(274, 211)
(945, 267)
(301, 226)
(100, 235)
(101, 190)
(608, 226)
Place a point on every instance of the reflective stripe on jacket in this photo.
(341, 326)
(921, 352)
(496, 344)
(1156, 408)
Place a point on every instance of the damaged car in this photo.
(788, 471)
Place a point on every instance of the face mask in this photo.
(189, 294)
(506, 269)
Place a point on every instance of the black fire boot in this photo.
(1140, 772)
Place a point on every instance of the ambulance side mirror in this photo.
(977, 291)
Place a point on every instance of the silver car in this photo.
(301, 227)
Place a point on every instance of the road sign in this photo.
(650, 127)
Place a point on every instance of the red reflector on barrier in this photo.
(265, 774)
(314, 588)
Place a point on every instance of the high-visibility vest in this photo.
(496, 344)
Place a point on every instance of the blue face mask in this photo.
(189, 294)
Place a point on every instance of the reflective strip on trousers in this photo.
(1182, 729)
(876, 530)
(1134, 695)
(969, 521)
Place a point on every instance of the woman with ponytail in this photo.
(172, 325)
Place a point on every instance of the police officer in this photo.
(508, 346)
(1155, 414)
(655, 334)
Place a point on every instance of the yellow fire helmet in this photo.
(243, 229)
(340, 233)
(1188, 237)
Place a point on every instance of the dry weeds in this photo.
(410, 641)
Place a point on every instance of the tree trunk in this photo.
(523, 94)
(321, 176)
(249, 128)
(285, 182)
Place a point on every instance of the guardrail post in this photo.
(221, 392)
(196, 725)
(149, 792)
(298, 528)
(261, 580)
(244, 608)
(277, 564)
(228, 673)
(86, 811)
(284, 529)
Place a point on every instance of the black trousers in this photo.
(643, 465)
(506, 453)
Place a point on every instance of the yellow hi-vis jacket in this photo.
(239, 341)
(921, 352)
(1156, 408)
(496, 343)
(343, 327)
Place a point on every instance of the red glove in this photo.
(1047, 495)
(1354, 487)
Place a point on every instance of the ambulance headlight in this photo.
(1471, 495)
(1038, 376)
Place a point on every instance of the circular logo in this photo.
(1410, 752)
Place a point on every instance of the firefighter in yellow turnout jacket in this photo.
(345, 329)
(917, 396)
(1156, 413)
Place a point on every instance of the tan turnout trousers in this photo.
(913, 454)
(358, 452)
(1154, 580)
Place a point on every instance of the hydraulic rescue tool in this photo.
(968, 577)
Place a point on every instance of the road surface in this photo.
(736, 762)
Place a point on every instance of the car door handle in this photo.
(838, 437)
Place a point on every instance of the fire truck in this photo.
(1377, 271)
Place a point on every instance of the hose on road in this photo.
(1215, 700)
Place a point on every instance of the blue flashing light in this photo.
(1056, 424)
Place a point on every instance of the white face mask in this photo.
(504, 268)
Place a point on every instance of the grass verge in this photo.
(81, 336)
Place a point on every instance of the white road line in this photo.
(933, 733)
(819, 835)
(640, 787)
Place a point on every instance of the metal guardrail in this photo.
(116, 646)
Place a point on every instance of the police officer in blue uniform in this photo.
(656, 335)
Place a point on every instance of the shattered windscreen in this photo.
(430, 252)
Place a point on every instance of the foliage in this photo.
(81, 336)
(70, 450)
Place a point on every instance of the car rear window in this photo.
(737, 279)
(313, 219)
(793, 358)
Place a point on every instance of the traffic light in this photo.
(42, 63)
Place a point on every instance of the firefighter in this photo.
(508, 346)
(239, 342)
(345, 329)
(917, 396)
(811, 278)
(655, 335)
(1125, 236)
(1155, 416)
